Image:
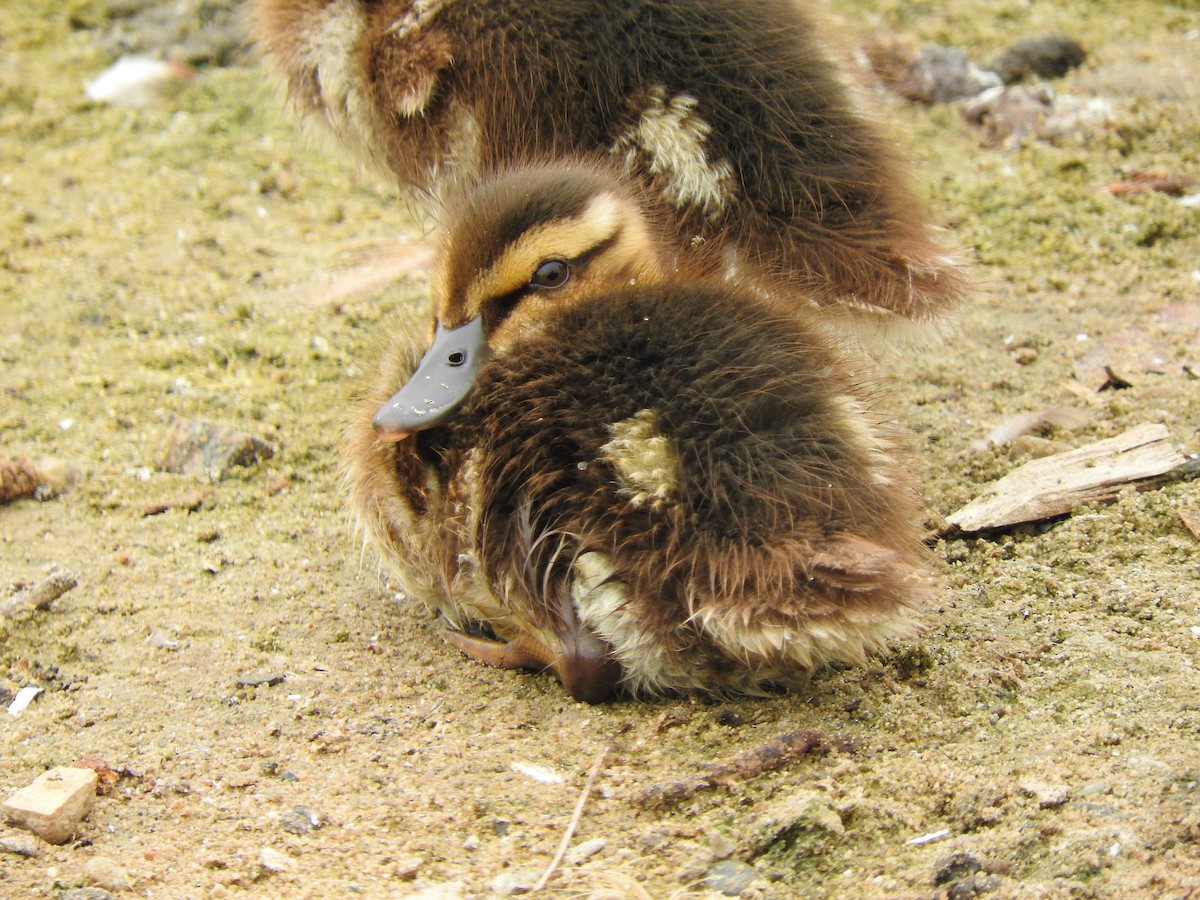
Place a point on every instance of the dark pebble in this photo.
(260, 680)
(954, 867)
(1044, 57)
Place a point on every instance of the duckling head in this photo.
(523, 246)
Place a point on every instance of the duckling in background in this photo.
(643, 481)
(728, 111)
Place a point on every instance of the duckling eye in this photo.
(552, 273)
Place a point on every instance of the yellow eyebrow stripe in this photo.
(565, 239)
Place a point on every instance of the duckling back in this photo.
(675, 474)
(727, 110)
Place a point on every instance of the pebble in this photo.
(215, 449)
(973, 886)
(804, 821)
(954, 867)
(87, 893)
(21, 844)
(275, 861)
(54, 804)
(579, 853)
(1041, 57)
(730, 877)
(945, 74)
(515, 881)
(104, 873)
(300, 820)
(1048, 796)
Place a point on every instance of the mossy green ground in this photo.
(159, 262)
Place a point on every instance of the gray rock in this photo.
(20, 844)
(955, 866)
(300, 820)
(515, 881)
(1044, 57)
(106, 874)
(87, 893)
(945, 74)
(215, 449)
(973, 886)
(730, 877)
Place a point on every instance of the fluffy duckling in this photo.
(728, 111)
(644, 483)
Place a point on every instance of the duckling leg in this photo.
(587, 671)
(519, 653)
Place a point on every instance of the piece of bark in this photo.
(1054, 485)
(54, 804)
(774, 754)
(39, 595)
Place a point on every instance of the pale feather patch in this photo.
(806, 644)
(604, 607)
(420, 14)
(646, 464)
(853, 418)
(329, 53)
(671, 136)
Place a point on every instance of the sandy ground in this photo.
(1042, 739)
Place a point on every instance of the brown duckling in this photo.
(644, 482)
(728, 111)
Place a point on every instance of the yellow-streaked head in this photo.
(520, 247)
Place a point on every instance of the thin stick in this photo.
(578, 813)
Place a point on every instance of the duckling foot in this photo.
(588, 673)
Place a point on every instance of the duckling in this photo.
(729, 113)
(643, 481)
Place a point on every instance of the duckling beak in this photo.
(442, 381)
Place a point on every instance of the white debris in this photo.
(537, 773)
(135, 80)
(24, 697)
(928, 838)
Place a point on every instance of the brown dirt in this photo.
(160, 263)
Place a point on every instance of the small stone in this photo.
(104, 873)
(20, 844)
(803, 822)
(1041, 57)
(579, 853)
(973, 886)
(515, 881)
(263, 680)
(215, 449)
(943, 75)
(274, 861)
(300, 820)
(1025, 356)
(406, 868)
(1048, 796)
(954, 867)
(87, 893)
(730, 877)
(54, 804)
(721, 846)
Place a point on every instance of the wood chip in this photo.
(1054, 485)
(1191, 521)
